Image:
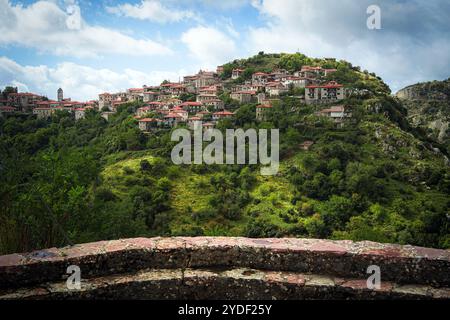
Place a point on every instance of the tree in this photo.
(8, 90)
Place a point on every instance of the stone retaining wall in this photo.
(399, 265)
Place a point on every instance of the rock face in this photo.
(433, 90)
(227, 268)
(428, 107)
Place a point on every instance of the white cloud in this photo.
(410, 47)
(152, 10)
(46, 27)
(226, 4)
(79, 82)
(209, 46)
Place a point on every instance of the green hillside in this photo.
(376, 178)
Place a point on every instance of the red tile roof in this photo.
(7, 108)
(173, 115)
(223, 113)
(246, 92)
(309, 68)
(333, 109)
(148, 120)
(192, 104)
(331, 84)
(27, 94)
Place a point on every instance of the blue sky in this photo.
(87, 47)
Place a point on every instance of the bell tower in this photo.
(60, 95)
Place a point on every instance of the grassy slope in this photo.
(272, 196)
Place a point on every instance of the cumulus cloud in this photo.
(412, 45)
(44, 26)
(152, 10)
(209, 46)
(79, 82)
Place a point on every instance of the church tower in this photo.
(60, 95)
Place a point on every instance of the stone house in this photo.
(80, 113)
(194, 123)
(261, 110)
(104, 100)
(192, 106)
(107, 114)
(24, 101)
(43, 113)
(147, 124)
(7, 110)
(275, 88)
(215, 104)
(296, 82)
(326, 93)
(337, 113)
(172, 119)
(216, 116)
(203, 114)
(208, 125)
(243, 96)
(236, 73)
(173, 89)
(260, 78)
(150, 96)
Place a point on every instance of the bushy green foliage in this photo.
(375, 178)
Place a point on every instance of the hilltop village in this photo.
(200, 98)
(351, 165)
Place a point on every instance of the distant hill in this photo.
(428, 106)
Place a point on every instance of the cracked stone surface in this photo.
(319, 267)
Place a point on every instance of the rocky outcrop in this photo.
(231, 268)
(428, 107)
